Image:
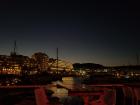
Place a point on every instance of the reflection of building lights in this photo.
(118, 75)
(83, 86)
(105, 70)
(127, 76)
(132, 74)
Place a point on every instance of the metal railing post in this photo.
(41, 98)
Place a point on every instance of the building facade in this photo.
(41, 59)
(60, 65)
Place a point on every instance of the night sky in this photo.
(103, 32)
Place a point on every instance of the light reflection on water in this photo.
(68, 82)
(102, 96)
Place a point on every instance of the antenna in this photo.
(14, 52)
(15, 46)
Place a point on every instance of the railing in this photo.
(119, 94)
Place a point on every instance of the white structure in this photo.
(62, 65)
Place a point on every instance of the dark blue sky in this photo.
(99, 32)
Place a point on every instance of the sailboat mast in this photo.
(57, 58)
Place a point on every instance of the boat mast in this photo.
(57, 59)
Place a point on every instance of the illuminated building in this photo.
(13, 69)
(62, 65)
(8, 65)
(41, 59)
(14, 64)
